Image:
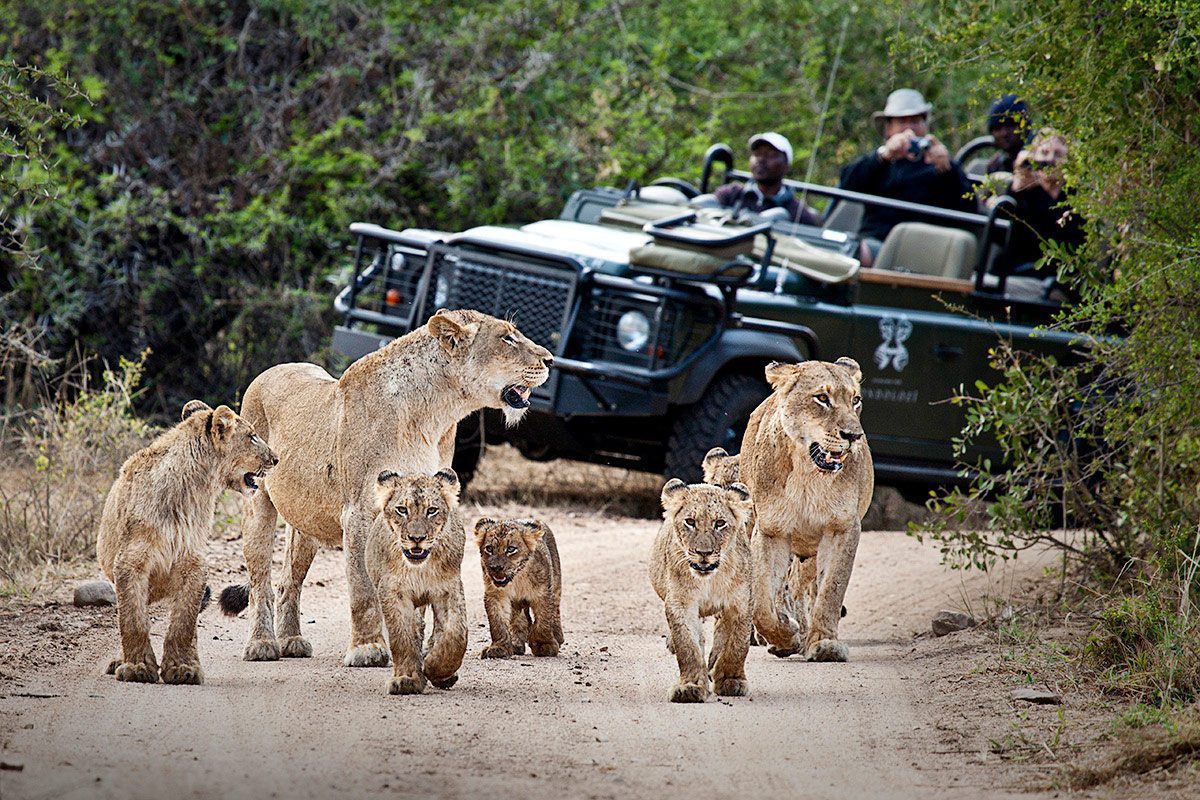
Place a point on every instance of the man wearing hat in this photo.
(1007, 122)
(770, 157)
(910, 165)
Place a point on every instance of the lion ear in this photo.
(450, 334)
(715, 454)
(739, 491)
(852, 366)
(384, 484)
(481, 526)
(450, 483)
(780, 374)
(221, 422)
(670, 493)
(194, 407)
(533, 531)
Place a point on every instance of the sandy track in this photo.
(591, 723)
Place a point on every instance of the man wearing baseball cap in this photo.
(770, 157)
(910, 165)
(1008, 123)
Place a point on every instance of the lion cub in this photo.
(700, 567)
(521, 574)
(414, 558)
(156, 520)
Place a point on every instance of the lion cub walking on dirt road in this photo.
(414, 559)
(700, 567)
(521, 574)
(156, 520)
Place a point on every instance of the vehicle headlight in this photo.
(633, 331)
(441, 291)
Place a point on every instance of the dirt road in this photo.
(592, 723)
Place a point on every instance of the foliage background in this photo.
(201, 207)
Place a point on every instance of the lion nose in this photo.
(417, 538)
(851, 436)
(548, 361)
(703, 553)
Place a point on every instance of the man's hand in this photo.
(896, 147)
(937, 155)
(1023, 174)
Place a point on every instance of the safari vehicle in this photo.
(662, 312)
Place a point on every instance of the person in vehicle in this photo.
(770, 159)
(1008, 123)
(910, 165)
(1043, 212)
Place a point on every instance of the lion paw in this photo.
(406, 684)
(496, 651)
(519, 649)
(828, 650)
(370, 654)
(689, 693)
(261, 650)
(112, 666)
(446, 683)
(782, 652)
(179, 673)
(545, 649)
(295, 647)
(732, 687)
(137, 672)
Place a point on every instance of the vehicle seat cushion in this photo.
(928, 250)
(687, 259)
(662, 194)
(636, 213)
(846, 216)
(813, 262)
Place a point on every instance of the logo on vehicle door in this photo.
(895, 331)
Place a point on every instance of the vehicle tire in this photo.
(718, 419)
(468, 448)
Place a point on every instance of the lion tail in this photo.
(234, 599)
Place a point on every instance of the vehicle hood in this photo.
(597, 247)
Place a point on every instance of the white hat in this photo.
(902, 103)
(776, 140)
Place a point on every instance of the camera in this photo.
(918, 146)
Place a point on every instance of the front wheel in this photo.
(718, 419)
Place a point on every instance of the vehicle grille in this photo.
(535, 297)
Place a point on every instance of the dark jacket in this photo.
(750, 197)
(912, 181)
(1039, 218)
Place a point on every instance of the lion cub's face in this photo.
(245, 458)
(505, 546)
(704, 519)
(821, 405)
(415, 509)
(499, 361)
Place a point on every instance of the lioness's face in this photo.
(505, 546)
(495, 359)
(245, 458)
(704, 519)
(821, 408)
(415, 509)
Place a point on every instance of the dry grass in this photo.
(1141, 752)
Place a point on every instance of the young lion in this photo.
(156, 520)
(700, 567)
(414, 559)
(521, 573)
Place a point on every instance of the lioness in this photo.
(700, 566)
(156, 520)
(521, 573)
(807, 463)
(396, 406)
(414, 558)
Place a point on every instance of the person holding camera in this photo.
(1043, 212)
(770, 159)
(910, 165)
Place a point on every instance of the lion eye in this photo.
(822, 399)
(510, 550)
(510, 340)
(402, 511)
(487, 549)
(857, 400)
(433, 512)
(720, 524)
(691, 523)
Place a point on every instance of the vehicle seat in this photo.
(705, 201)
(928, 250)
(662, 194)
(845, 216)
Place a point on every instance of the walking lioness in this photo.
(396, 408)
(156, 520)
(807, 464)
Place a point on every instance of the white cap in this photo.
(776, 140)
